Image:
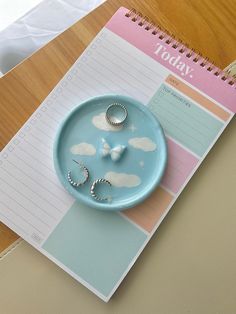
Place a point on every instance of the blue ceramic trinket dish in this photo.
(132, 157)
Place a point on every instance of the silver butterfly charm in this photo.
(115, 152)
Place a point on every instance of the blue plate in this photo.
(141, 165)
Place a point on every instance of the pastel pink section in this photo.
(144, 40)
(180, 164)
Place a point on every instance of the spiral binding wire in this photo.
(183, 48)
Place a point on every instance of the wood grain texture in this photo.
(7, 237)
(206, 25)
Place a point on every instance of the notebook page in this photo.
(36, 206)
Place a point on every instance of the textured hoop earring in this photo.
(93, 187)
(85, 173)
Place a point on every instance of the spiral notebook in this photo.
(193, 100)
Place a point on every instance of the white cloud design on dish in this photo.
(121, 180)
(101, 123)
(83, 149)
(143, 143)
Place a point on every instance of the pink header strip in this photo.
(198, 76)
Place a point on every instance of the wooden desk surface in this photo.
(208, 26)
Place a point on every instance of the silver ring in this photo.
(85, 172)
(93, 187)
(116, 114)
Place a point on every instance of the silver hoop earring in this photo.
(93, 187)
(85, 173)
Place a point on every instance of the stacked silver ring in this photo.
(113, 120)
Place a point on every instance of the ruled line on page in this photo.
(39, 161)
(72, 96)
(177, 117)
(37, 149)
(102, 79)
(136, 72)
(129, 54)
(13, 189)
(147, 80)
(75, 90)
(11, 222)
(199, 122)
(49, 115)
(117, 78)
(64, 98)
(42, 131)
(98, 81)
(106, 83)
(81, 82)
(15, 202)
(50, 128)
(116, 70)
(49, 181)
(42, 200)
(57, 112)
(40, 141)
(167, 122)
(21, 219)
(33, 183)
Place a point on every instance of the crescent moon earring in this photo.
(85, 173)
(93, 190)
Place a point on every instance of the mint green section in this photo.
(183, 120)
(96, 245)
